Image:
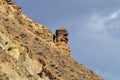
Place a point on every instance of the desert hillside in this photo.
(28, 51)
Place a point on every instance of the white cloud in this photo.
(115, 14)
(105, 25)
(96, 23)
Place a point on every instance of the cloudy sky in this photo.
(93, 26)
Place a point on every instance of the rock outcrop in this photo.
(27, 51)
(61, 40)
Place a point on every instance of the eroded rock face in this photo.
(62, 40)
(62, 35)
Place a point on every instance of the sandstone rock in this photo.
(62, 40)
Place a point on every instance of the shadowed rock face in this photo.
(62, 35)
(27, 51)
(62, 40)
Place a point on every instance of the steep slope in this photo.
(27, 51)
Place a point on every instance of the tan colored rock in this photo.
(62, 40)
(63, 47)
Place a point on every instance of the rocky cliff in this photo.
(27, 50)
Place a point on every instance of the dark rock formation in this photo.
(62, 40)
